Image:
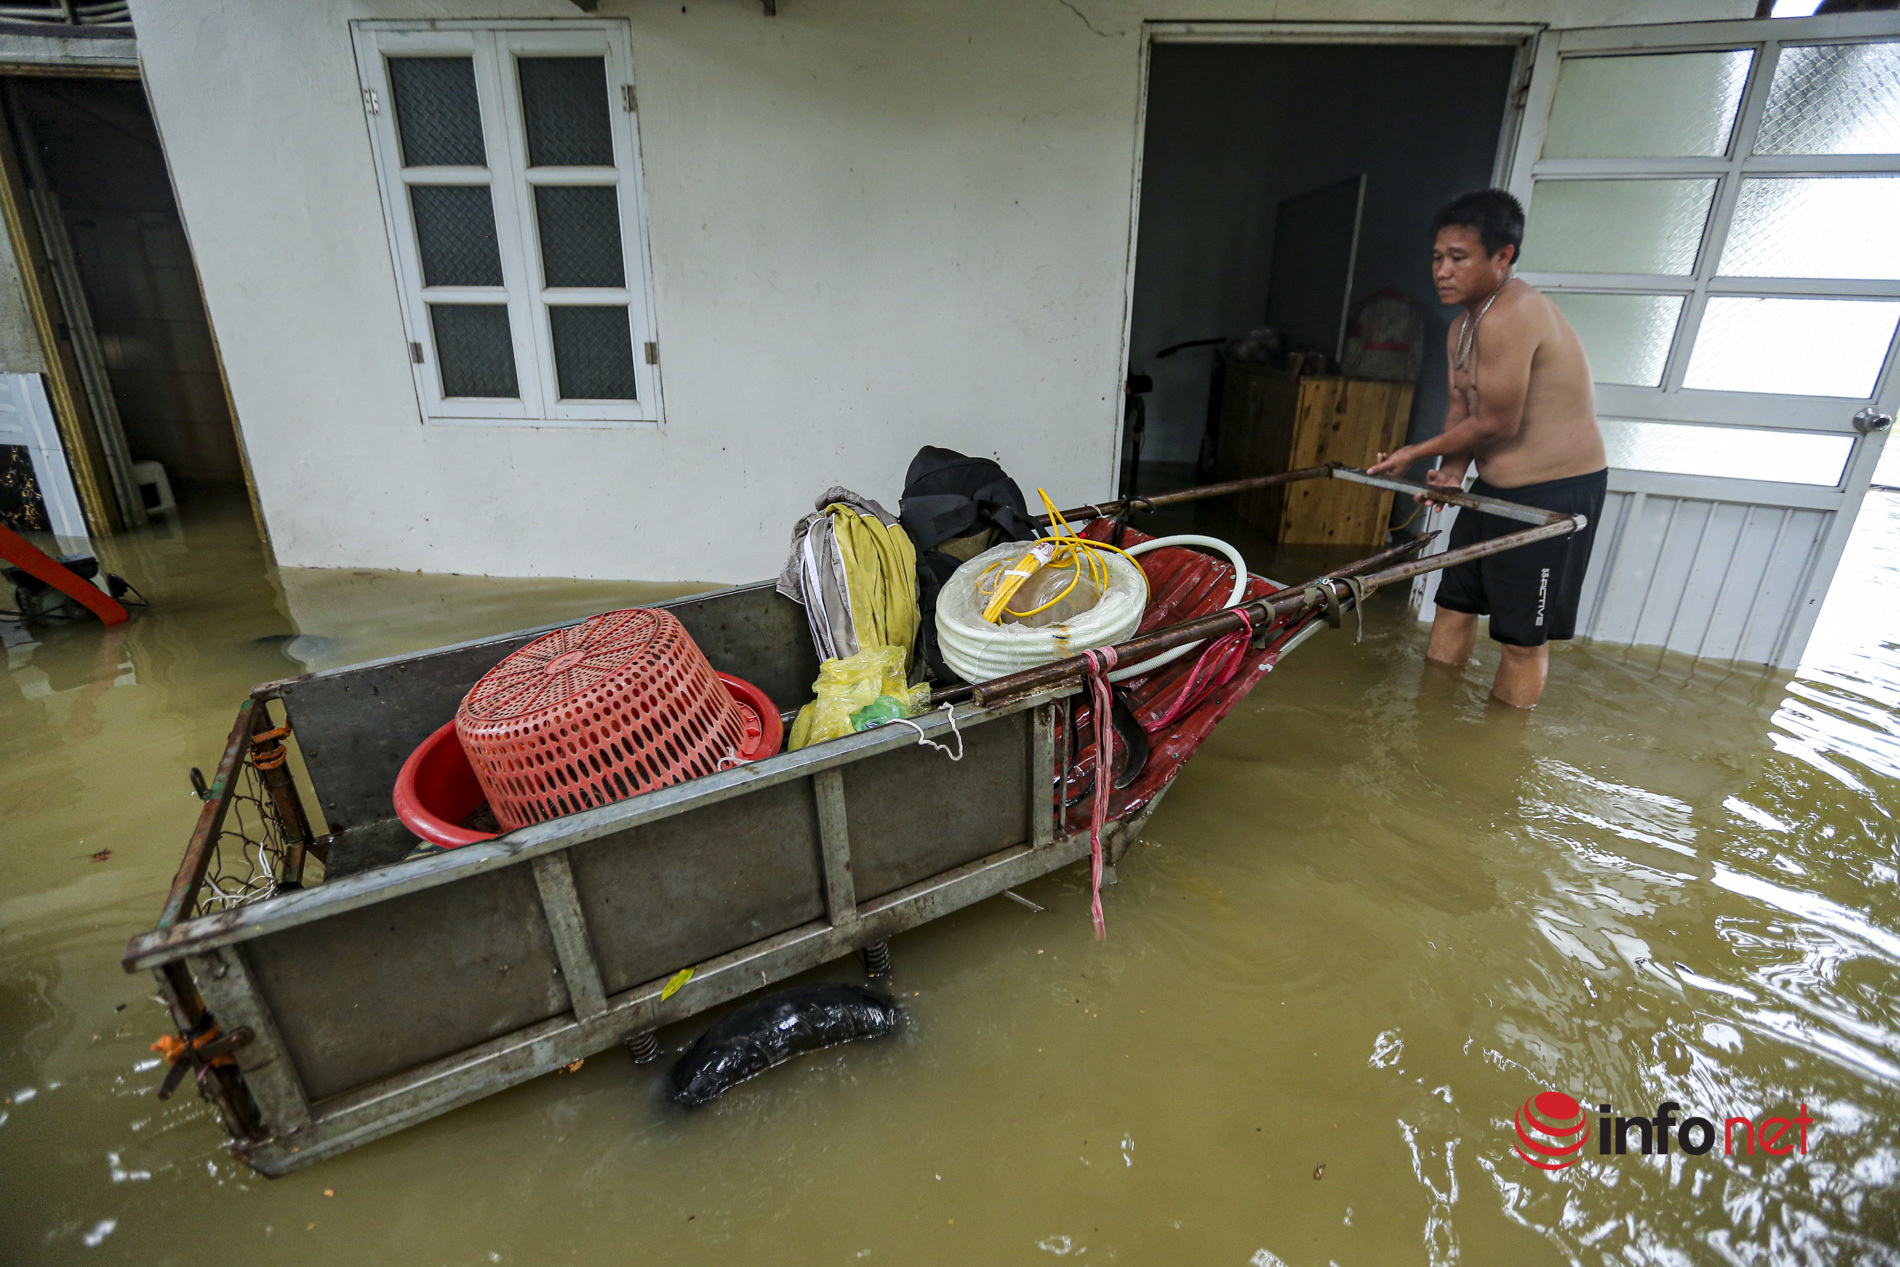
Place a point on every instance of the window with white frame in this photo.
(509, 162)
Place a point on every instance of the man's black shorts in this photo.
(1530, 593)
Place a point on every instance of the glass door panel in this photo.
(1627, 337)
(1741, 453)
(1815, 226)
(1663, 106)
(1617, 226)
(1792, 347)
(1834, 99)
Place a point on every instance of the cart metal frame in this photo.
(392, 994)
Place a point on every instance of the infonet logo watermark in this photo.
(1553, 1130)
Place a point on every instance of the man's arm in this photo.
(1486, 411)
(1450, 471)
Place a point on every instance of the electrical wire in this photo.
(1072, 550)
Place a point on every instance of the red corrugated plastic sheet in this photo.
(1182, 584)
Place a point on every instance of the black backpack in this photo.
(949, 496)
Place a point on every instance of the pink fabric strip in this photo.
(1215, 669)
(1101, 663)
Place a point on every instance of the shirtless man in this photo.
(1522, 408)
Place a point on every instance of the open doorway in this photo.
(1352, 147)
(142, 381)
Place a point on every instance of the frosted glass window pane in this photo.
(593, 352)
(437, 115)
(455, 235)
(1626, 337)
(580, 235)
(1833, 226)
(1792, 347)
(564, 108)
(475, 352)
(1741, 453)
(1616, 226)
(1834, 99)
(1666, 105)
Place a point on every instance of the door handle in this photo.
(1870, 420)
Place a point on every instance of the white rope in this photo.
(925, 741)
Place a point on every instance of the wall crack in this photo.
(1085, 19)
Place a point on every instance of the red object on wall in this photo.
(39, 565)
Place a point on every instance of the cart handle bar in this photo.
(1371, 574)
(1332, 470)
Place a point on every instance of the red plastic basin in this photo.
(436, 789)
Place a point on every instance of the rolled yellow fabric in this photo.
(880, 567)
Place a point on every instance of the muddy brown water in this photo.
(1374, 915)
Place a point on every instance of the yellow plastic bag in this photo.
(845, 686)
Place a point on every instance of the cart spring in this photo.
(643, 1047)
(877, 959)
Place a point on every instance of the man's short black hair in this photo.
(1494, 213)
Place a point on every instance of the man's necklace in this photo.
(1468, 328)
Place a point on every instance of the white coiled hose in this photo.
(979, 651)
(1240, 588)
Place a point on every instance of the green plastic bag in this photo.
(854, 685)
(880, 710)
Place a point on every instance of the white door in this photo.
(27, 419)
(1716, 208)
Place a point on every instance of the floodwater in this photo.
(1374, 915)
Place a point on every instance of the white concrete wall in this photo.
(875, 224)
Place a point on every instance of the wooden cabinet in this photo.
(1272, 420)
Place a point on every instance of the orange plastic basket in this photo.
(620, 704)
